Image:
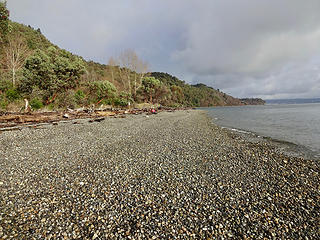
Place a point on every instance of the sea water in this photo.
(297, 123)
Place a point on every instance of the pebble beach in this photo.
(171, 175)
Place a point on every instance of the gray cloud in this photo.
(267, 48)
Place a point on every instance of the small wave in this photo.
(240, 131)
(237, 130)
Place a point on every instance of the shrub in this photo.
(36, 104)
(103, 90)
(12, 94)
(50, 106)
(125, 95)
(66, 99)
(3, 103)
(38, 93)
(120, 102)
(106, 101)
(79, 96)
(5, 85)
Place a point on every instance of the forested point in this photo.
(48, 77)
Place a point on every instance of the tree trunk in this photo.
(129, 83)
(51, 100)
(122, 77)
(27, 106)
(13, 77)
(135, 85)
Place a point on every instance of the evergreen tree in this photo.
(102, 90)
(53, 72)
(149, 87)
(4, 21)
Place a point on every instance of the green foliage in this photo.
(168, 79)
(126, 96)
(120, 102)
(149, 87)
(177, 95)
(198, 95)
(98, 68)
(4, 21)
(36, 103)
(37, 93)
(150, 83)
(33, 38)
(12, 94)
(38, 72)
(66, 99)
(108, 101)
(5, 85)
(54, 72)
(79, 96)
(3, 102)
(102, 90)
(50, 106)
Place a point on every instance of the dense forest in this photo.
(33, 69)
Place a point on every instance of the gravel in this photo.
(174, 175)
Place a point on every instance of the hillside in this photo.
(252, 101)
(198, 95)
(34, 69)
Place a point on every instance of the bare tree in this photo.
(133, 69)
(125, 60)
(15, 52)
(112, 63)
(141, 69)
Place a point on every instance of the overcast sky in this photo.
(246, 48)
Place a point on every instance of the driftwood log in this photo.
(11, 119)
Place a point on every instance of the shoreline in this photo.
(169, 175)
(289, 148)
(294, 142)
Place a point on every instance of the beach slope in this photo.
(165, 176)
